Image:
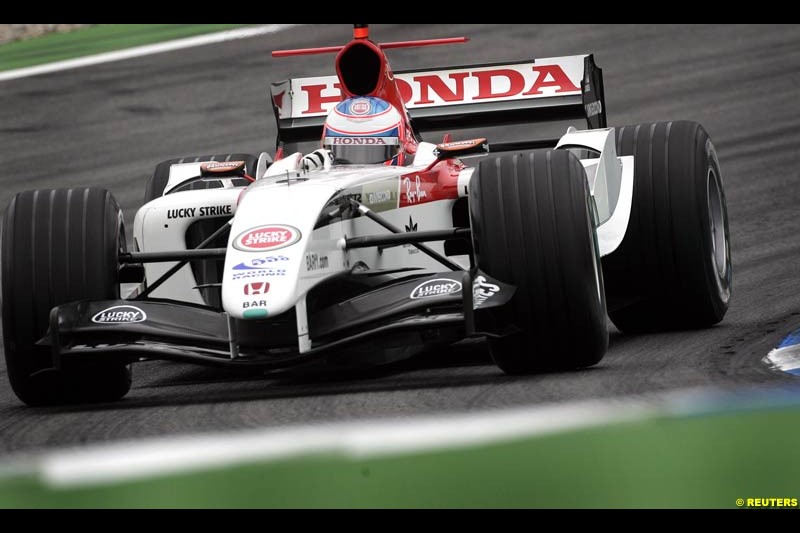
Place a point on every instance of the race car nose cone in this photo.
(267, 248)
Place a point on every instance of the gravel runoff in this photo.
(18, 32)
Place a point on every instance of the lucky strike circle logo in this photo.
(271, 237)
(120, 314)
(435, 287)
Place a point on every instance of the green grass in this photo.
(703, 461)
(95, 40)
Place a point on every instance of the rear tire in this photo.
(533, 227)
(58, 246)
(158, 182)
(673, 268)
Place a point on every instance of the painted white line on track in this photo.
(124, 461)
(112, 463)
(148, 49)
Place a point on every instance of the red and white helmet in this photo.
(364, 130)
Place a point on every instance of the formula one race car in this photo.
(378, 245)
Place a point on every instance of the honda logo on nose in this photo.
(259, 287)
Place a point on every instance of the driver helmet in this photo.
(364, 130)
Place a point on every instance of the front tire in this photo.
(673, 268)
(533, 227)
(58, 246)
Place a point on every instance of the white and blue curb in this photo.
(786, 357)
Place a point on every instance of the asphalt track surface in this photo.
(108, 125)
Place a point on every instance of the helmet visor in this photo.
(362, 150)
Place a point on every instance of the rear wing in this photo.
(539, 90)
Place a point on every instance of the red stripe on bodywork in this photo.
(440, 182)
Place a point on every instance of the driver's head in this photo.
(364, 130)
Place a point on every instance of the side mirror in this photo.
(222, 169)
(462, 148)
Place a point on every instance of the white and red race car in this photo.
(256, 261)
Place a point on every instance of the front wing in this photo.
(413, 312)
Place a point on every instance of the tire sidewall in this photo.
(719, 283)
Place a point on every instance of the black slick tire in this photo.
(673, 267)
(58, 246)
(533, 227)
